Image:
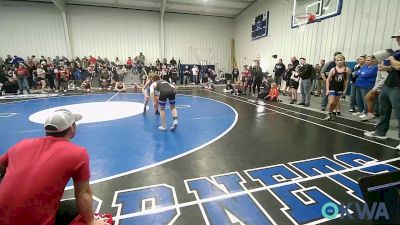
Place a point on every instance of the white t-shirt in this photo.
(195, 71)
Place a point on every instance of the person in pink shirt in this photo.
(22, 75)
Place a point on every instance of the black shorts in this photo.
(294, 84)
(278, 80)
(164, 96)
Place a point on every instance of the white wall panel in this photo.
(31, 29)
(393, 22)
(205, 35)
(365, 26)
(248, 50)
(114, 33)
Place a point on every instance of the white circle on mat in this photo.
(93, 112)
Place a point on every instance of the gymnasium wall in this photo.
(113, 32)
(194, 38)
(31, 29)
(365, 26)
(37, 28)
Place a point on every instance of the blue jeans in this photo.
(314, 85)
(360, 94)
(360, 100)
(23, 83)
(389, 99)
(195, 80)
(305, 91)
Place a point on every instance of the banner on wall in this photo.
(259, 28)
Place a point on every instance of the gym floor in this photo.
(232, 160)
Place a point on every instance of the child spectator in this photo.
(229, 88)
(239, 88)
(137, 87)
(209, 85)
(78, 77)
(286, 78)
(294, 84)
(273, 93)
(86, 85)
(120, 86)
(124, 71)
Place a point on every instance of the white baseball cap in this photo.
(396, 35)
(61, 120)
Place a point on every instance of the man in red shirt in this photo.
(36, 171)
(22, 75)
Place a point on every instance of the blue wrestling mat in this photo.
(118, 137)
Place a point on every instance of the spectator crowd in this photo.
(62, 74)
(373, 85)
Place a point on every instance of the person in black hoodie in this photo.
(279, 71)
(258, 76)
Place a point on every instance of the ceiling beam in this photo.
(247, 1)
(120, 6)
(163, 5)
(239, 6)
(219, 3)
(60, 4)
